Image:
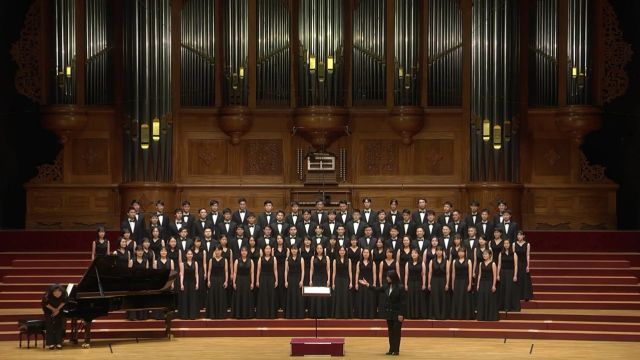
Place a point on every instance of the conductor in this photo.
(395, 309)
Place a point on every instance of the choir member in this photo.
(485, 227)
(184, 243)
(367, 212)
(509, 289)
(498, 217)
(509, 228)
(157, 242)
(217, 283)
(474, 217)
(367, 241)
(148, 253)
(267, 237)
(201, 223)
(477, 254)
(455, 248)
(293, 217)
(293, 238)
(393, 242)
(188, 308)
(268, 216)
(238, 239)
(139, 262)
(432, 228)
(378, 253)
(163, 220)
(228, 254)
(355, 227)
(341, 236)
(496, 244)
(306, 253)
(100, 245)
(407, 226)
(200, 257)
(243, 281)
(123, 255)
(215, 217)
(431, 252)
(188, 219)
(341, 285)
(404, 256)
(139, 215)
(240, 216)
(306, 226)
(461, 282)
(343, 215)
(280, 253)
(320, 215)
(394, 215)
(332, 248)
(133, 225)
(208, 241)
(365, 303)
(438, 286)
(319, 274)
(446, 241)
(227, 226)
(266, 282)
(522, 248)
(252, 229)
(446, 217)
(381, 228)
(280, 227)
(175, 255)
(318, 237)
(330, 228)
(154, 223)
(487, 298)
(173, 229)
(388, 264)
(52, 303)
(420, 243)
(163, 263)
(415, 286)
(456, 224)
(294, 273)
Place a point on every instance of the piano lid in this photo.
(116, 279)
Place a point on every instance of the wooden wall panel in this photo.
(433, 157)
(90, 156)
(206, 157)
(263, 157)
(552, 157)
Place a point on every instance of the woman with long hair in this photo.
(200, 257)
(509, 288)
(403, 257)
(438, 286)
(139, 262)
(100, 245)
(123, 255)
(266, 282)
(487, 297)
(294, 273)
(188, 308)
(365, 283)
(243, 282)
(341, 286)
(320, 269)
(280, 253)
(217, 282)
(461, 282)
(522, 249)
(163, 263)
(414, 283)
(52, 303)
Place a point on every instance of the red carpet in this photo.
(571, 271)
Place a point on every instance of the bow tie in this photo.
(160, 214)
(367, 211)
(332, 222)
(344, 213)
(474, 214)
(227, 222)
(132, 220)
(251, 226)
(422, 211)
(241, 211)
(356, 222)
(215, 213)
(506, 222)
(307, 222)
(185, 214)
(268, 214)
(178, 222)
(484, 222)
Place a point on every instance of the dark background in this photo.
(24, 144)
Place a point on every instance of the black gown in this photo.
(508, 291)
(319, 307)
(188, 306)
(226, 253)
(122, 259)
(404, 258)
(354, 256)
(461, 307)
(101, 247)
(281, 292)
(366, 295)
(377, 256)
(159, 314)
(139, 314)
(242, 296)
(487, 300)
(254, 255)
(438, 297)
(294, 308)
(416, 301)
(307, 256)
(524, 278)
(266, 305)
(174, 255)
(217, 294)
(382, 297)
(198, 257)
(155, 246)
(342, 302)
(496, 249)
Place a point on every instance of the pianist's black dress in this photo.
(266, 306)
(101, 247)
(139, 314)
(188, 305)
(242, 297)
(294, 308)
(217, 294)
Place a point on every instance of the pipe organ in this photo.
(445, 53)
(369, 62)
(578, 47)
(99, 47)
(274, 55)
(236, 48)
(407, 46)
(543, 53)
(197, 53)
(63, 90)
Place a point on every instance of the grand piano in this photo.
(106, 287)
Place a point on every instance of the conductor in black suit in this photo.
(395, 309)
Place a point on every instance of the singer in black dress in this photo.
(243, 284)
(487, 297)
(496, 244)
(522, 249)
(189, 283)
(266, 282)
(280, 253)
(320, 269)
(461, 280)
(200, 257)
(306, 253)
(509, 288)
(156, 242)
(389, 263)
(438, 286)
(217, 282)
(415, 285)
(365, 287)
(294, 271)
(175, 255)
(354, 253)
(139, 262)
(163, 263)
(403, 257)
(123, 256)
(100, 246)
(228, 254)
(342, 283)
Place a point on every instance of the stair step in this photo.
(52, 263)
(573, 304)
(621, 288)
(558, 263)
(549, 271)
(576, 279)
(39, 279)
(41, 270)
(586, 296)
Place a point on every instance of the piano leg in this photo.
(87, 334)
(167, 323)
(74, 331)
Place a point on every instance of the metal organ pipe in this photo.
(578, 72)
(63, 90)
(273, 52)
(444, 46)
(197, 54)
(369, 77)
(407, 45)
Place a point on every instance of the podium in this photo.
(317, 346)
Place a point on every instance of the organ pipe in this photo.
(494, 100)
(147, 57)
(543, 65)
(197, 53)
(578, 41)
(369, 62)
(64, 40)
(406, 46)
(444, 45)
(236, 31)
(273, 51)
(320, 32)
(99, 45)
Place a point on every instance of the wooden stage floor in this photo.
(355, 348)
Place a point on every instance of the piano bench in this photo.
(31, 327)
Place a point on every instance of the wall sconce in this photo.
(312, 63)
(486, 130)
(144, 136)
(574, 72)
(497, 137)
(330, 64)
(155, 133)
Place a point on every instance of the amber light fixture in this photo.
(155, 130)
(486, 130)
(330, 64)
(497, 137)
(144, 136)
(312, 63)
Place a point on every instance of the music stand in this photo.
(316, 291)
(316, 346)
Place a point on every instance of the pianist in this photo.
(52, 303)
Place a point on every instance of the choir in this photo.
(239, 265)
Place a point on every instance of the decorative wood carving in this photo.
(551, 157)
(380, 157)
(207, 157)
(64, 120)
(433, 157)
(617, 54)
(25, 52)
(407, 121)
(320, 126)
(90, 156)
(263, 157)
(50, 173)
(591, 173)
(235, 121)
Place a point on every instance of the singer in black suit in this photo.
(485, 226)
(508, 227)
(134, 226)
(395, 310)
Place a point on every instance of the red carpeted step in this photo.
(19, 296)
(586, 296)
(632, 257)
(551, 271)
(565, 279)
(40, 279)
(52, 263)
(24, 287)
(574, 304)
(561, 263)
(632, 289)
(11, 270)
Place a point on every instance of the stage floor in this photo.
(355, 348)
